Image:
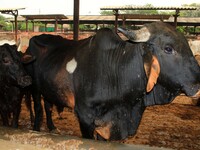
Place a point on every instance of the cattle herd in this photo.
(107, 82)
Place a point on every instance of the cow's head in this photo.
(11, 68)
(119, 122)
(179, 71)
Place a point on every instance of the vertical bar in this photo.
(62, 28)
(26, 25)
(123, 23)
(76, 20)
(45, 27)
(175, 17)
(16, 27)
(56, 24)
(33, 25)
(116, 19)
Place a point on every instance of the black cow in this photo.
(122, 78)
(50, 80)
(12, 79)
(112, 80)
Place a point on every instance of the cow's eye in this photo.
(168, 50)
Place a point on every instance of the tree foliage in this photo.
(185, 13)
(191, 13)
(106, 12)
(146, 12)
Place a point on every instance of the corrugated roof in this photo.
(141, 16)
(88, 19)
(10, 9)
(45, 16)
(129, 7)
(94, 17)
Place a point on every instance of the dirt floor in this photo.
(174, 125)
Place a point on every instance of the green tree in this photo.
(106, 12)
(2, 20)
(191, 13)
(147, 12)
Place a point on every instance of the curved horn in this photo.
(141, 35)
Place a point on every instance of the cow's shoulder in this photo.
(106, 38)
(49, 40)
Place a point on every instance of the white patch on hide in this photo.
(11, 42)
(71, 65)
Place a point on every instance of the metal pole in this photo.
(116, 19)
(45, 28)
(33, 25)
(76, 20)
(175, 17)
(56, 24)
(16, 27)
(26, 25)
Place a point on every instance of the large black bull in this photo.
(113, 80)
(12, 79)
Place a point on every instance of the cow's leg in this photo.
(86, 122)
(28, 103)
(16, 113)
(4, 117)
(48, 110)
(38, 111)
(87, 129)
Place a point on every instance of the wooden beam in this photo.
(142, 16)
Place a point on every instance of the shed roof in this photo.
(131, 7)
(45, 16)
(12, 11)
(103, 19)
(141, 16)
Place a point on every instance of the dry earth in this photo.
(173, 125)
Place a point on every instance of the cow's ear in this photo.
(71, 100)
(104, 131)
(152, 70)
(27, 59)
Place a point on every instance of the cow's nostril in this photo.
(24, 81)
(99, 122)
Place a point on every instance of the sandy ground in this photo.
(173, 125)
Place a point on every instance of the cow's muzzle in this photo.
(24, 81)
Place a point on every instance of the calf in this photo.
(12, 79)
(49, 74)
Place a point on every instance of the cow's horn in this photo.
(141, 35)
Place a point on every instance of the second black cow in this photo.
(110, 81)
(13, 79)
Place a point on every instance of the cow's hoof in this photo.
(55, 131)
